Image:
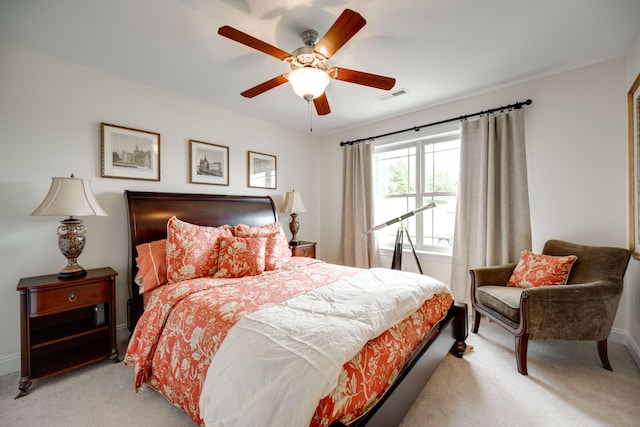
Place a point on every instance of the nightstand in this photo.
(66, 323)
(307, 249)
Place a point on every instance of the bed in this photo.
(159, 319)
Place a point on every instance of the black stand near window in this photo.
(396, 263)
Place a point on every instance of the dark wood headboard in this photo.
(149, 212)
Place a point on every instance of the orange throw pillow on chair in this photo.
(535, 270)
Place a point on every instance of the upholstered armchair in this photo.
(583, 309)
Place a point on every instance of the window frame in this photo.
(436, 134)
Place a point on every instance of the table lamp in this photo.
(70, 197)
(292, 205)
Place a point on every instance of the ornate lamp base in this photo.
(71, 240)
(294, 226)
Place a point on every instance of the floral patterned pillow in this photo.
(152, 265)
(192, 250)
(241, 256)
(541, 270)
(277, 251)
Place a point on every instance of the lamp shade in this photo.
(292, 203)
(70, 197)
(308, 82)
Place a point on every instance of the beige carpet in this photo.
(566, 387)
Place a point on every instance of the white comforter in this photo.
(276, 364)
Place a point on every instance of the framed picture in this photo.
(208, 163)
(262, 170)
(130, 153)
(633, 99)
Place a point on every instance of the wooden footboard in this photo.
(449, 336)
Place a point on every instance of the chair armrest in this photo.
(598, 290)
(494, 275)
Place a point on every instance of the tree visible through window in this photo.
(412, 173)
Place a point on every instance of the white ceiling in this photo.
(438, 50)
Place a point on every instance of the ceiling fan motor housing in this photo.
(305, 56)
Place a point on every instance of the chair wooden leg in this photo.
(522, 342)
(476, 322)
(604, 356)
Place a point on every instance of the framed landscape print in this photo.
(633, 98)
(208, 163)
(130, 153)
(262, 170)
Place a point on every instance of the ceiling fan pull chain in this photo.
(310, 116)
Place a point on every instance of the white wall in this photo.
(576, 154)
(50, 115)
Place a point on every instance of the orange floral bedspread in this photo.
(184, 323)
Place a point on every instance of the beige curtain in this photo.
(356, 248)
(492, 217)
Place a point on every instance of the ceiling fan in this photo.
(310, 72)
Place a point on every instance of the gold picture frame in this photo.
(633, 100)
(208, 163)
(262, 170)
(128, 153)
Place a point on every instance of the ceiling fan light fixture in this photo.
(308, 82)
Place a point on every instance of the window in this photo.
(411, 173)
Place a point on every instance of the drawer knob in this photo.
(72, 296)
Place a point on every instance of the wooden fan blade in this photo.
(345, 27)
(322, 105)
(247, 40)
(263, 87)
(362, 78)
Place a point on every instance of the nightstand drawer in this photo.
(304, 249)
(68, 298)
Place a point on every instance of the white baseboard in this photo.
(11, 363)
(622, 336)
(122, 334)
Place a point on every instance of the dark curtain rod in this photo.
(515, 106)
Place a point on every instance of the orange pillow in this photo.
(192, 250)
(541, 270)
(277, 251)
(241, 256)
(152, 265)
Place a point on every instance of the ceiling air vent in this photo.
(390, 95)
